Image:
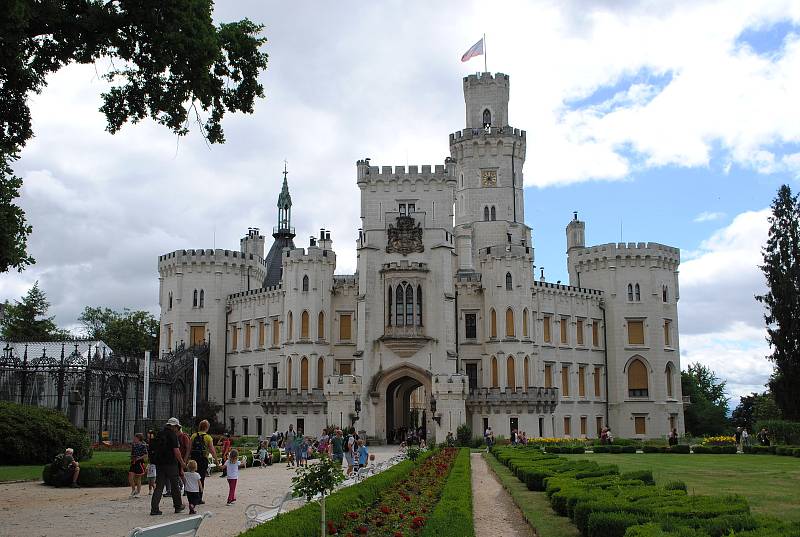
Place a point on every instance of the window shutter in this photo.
(546, 323)
(565, 380)
(636, 332)
(582, 383)
(511, 381)
(548, 376)
(344, 327)
(637, 376)
(597, 382)
(509, 322)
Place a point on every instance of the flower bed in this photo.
(719, 441)
(403, 509)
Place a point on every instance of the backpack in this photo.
(160, 452)
(198, 451)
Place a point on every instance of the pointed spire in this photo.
(285, 204)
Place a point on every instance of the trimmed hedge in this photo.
(304, 521)
(92, 474)
(35, 435)
(453, 514)
(781, 431)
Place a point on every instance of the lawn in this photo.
(34, 472)
(769, 482)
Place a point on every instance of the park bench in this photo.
(256, 514)
(186, 526)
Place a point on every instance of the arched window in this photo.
(511, 381)
(509, 287)
(202, 297)
(637, 379)
(288, 374)
(487, 118)
(638, 294)
(419, 305)
(321, 326)
(290, 328)
(170, 300)
(526, 372)
(494, 372)
(409, 305)
(630, 293)
(525, 324)
(399, 299)
(509, 322)
(305, 282)
(304, 374)
(486, 214)
(668, 373)
(492, 323)
(194, 300)
(320, 373)
(664, 293)
(389, 296)
(494, 214)
(304, 325)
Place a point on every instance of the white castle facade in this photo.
(444, 322)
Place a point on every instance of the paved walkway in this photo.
(35, 510)
(494, 512)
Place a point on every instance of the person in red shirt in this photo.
(226, 449)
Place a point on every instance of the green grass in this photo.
(34, 472)
(534, 505)
(768, 482)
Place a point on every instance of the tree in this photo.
(168, 60)
(318, 480)
(707, 413)
(754, 408)
(27, 319)
(781, 269)
(127, 333)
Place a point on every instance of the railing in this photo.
(494, 396)
(281, 229)
(280, 396)
(405, 331)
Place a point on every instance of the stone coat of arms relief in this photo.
(405, 238)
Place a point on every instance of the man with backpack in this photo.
(202, 444)
(165, 453)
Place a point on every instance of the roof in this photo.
(274, 262)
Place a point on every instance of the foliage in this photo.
(167, 60)
(93, 474)
(781, 431)
(412, 453)
(207, 409)
(30, 435)
(707, 413)
(453, 514)
(754, 408)
(719, 440)
(781, 269)
(320, 478)
(27, 320)
(464, 435)
(126, 332)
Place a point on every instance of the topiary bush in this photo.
(464, 435)
(680, 448)
(35, 435)
(675, 485)
(91, 475)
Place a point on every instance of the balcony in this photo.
(279, 401)
(405, 340)
(413, 331)
(536, 399)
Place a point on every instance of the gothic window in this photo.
(419, 305)
(321, 326)
(493, 321)
(508, 281)
(511, 381)
(494, 214)
(305, 283)
(409, 305)
(320, 373)
(486, 214)
(630, 293)
(494, 372)
(304, 325)
(170, 300)
(668, 373)
(487, 118)
(638, 294)
(194, 300)
(637, 379)
(304, 374)
(471, 325)
(290, 328)
(399, 299)
(509, 322)
(525, 373)
(664, 293)
(289, 374)
(202, 297)
(389, 296)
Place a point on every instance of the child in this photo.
(363, 454)
(262, 454)
(232, 467)
(151, 478)
(192, 485)
(136, 471)
(303, 451)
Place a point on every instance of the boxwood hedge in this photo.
(96, 474)
(452, 516)
(35, 435)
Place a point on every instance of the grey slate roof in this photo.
(274, 261)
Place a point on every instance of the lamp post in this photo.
(436, 418)
(357, 409)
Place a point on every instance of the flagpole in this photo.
(485, 69)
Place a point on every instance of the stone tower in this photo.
(283, 234)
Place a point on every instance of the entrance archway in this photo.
(403, 394)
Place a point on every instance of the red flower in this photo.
(424, 509)
(362, 530)
(385, 509)
(418, 522)
(397, 534)
(353, 515)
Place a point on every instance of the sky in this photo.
(673, 122)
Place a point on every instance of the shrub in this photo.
(781, 431)
(701, 450)
(628, 449)
(654, 449)
(35, 435)
(601, 449)
(453, 514)
(464, 435)
(675, 485)
(613, 524)
(680, 448)
(615, 449)
(92, 474)
(645, 476)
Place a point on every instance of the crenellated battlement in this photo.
(404, 266)
(441, 173)
(557, 288)
(493, 133)
(598, 256)
(254, 293)
(485, 79)
(209, 257)
(311, 255)
(502, 251)
(345, 280)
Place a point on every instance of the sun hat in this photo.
(173, 422)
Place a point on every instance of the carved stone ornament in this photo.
(406, 238)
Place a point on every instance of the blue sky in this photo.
(681, 119)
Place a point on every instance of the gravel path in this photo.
(494, 512)
(35, 510)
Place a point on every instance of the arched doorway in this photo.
(404, 394)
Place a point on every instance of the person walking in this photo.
(348, 453)
(763, 437)
(289, 447)
(166, 454)
(488, 437)
(193, 485)
(336, 447)
(136, 471)
(673, 437)
(232, 467)
(745, 438)
(201, 445)
(737, 436)
(226, 449)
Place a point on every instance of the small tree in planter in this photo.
(412, 452)
(318, 479)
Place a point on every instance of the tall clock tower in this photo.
(489, 155)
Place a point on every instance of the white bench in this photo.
(256, 514)
(185, 527)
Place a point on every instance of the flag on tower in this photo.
(474, 50)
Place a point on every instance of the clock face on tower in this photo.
(489, 177)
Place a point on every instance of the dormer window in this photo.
(402, 209)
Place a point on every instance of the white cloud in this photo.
(707, 216)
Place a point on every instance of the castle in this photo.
(444, 322)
